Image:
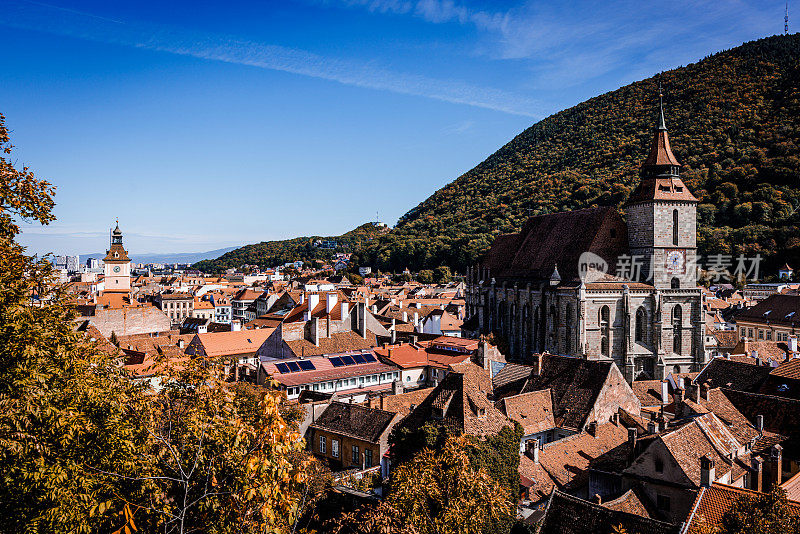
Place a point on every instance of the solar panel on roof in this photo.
(369, 358)
(358, 358)
(282, 368)
(293, 367)
(347, 360)
(306, 365)
(336, 362)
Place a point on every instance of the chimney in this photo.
(314, 330)
(180, 343)
(345, 309)
(664, 392)
(776, 465)
(397, 387)
(330, 301)
(631, 445)
(539, 364)
(591, 429)
(698, 394)
(707, 391)
(374, 308)
(362, 319)
(758, 466)
(707, 472)
(382, 401)
(679, 395)
(760, 423)
(313, 300)
(236, 325)
(393, 333)
(416, 319)
(405, 317)
(792, 343)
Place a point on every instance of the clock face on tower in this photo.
(676, 262)
(116, 268)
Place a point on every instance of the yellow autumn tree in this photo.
(84, 449)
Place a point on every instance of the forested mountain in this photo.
(734, 123)
(307, 249)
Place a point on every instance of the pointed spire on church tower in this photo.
(661, 171)
(660, 151)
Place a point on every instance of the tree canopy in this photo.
(86, 449)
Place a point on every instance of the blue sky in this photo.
(205, 124)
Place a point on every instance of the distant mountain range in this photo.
(176, 257)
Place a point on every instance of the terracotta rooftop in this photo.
(575, 384)
(336, 343)
(722, 372)
(776, 309)
(568, 460)
(231, 343)
(711, 504)
(533, 410)
(354, 420)
(401, 403)
(649, 392)
(704, 435)
(461, 403)
(566, 514)
(534, 478)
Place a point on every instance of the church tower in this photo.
(662, 218)
(117, 265)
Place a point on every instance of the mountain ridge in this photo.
(734, 124)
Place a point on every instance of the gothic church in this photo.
(534, 289)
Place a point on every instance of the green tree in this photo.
(442, 274)
(425, 276)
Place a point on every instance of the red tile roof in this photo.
(711, 504)
(533, 410)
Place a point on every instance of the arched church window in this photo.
(605, 331)
(677, 329)
(641, 324)
(568, 328)
(675, 283)
(675, 227)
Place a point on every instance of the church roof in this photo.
(558, 238)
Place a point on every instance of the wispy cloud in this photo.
(55, 20)
(565, 43)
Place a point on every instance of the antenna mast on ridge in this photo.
(786, 20)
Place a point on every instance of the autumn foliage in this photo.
(85, 449)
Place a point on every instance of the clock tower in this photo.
(662, 218)
(117, 265)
